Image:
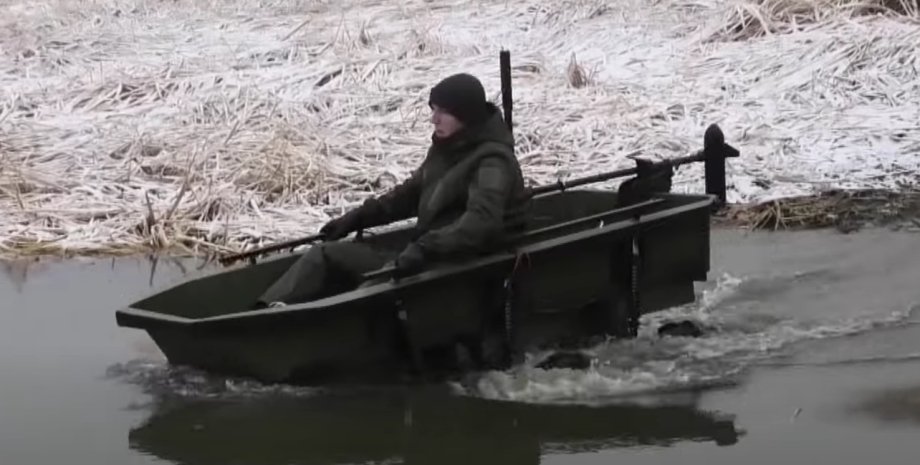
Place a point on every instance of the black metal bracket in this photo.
(715, 151)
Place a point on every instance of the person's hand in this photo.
(341, 226)
(410, 261)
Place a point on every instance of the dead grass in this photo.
(746, 19)
(577, 75)
(200, 127)
(846, 211)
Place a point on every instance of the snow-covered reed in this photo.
(196, 125)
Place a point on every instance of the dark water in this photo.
(814, 355)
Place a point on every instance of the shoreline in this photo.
(845, 211)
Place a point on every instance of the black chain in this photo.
(509, 304)
(634, 312)
(509, 298)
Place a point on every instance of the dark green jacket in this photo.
(468, 193)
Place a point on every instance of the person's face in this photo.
(445, 125)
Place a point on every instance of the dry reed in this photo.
(129, 125)
(753, 18)
(845, 210)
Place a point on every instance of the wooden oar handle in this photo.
(271, 248)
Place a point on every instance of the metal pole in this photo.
(504, 58)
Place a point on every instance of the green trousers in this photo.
(326, 269)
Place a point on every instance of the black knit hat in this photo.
(462, 96)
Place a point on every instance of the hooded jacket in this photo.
(467, 194)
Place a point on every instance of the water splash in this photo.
(163, 380)
(740, 334)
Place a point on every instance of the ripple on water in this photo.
(740, 334)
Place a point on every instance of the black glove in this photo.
(410, 261)
(342, 226)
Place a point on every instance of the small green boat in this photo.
(587, 266)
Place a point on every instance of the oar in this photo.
(714, 148)
(292, 244)
(559, 185)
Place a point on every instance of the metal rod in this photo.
(561, 185)
(504, 58)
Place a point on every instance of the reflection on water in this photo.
(896, 405)
(17, 271)
(421, 425)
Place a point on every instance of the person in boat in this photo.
(467, 196)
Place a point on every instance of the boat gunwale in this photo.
(147, 319)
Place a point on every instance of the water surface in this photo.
(814, 354)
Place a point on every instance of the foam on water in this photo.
(160, 379)
(740, 334)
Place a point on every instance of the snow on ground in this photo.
(274, 114)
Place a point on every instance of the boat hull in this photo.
(585, 269)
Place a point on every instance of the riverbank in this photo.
(845, 211)
(193, 128)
